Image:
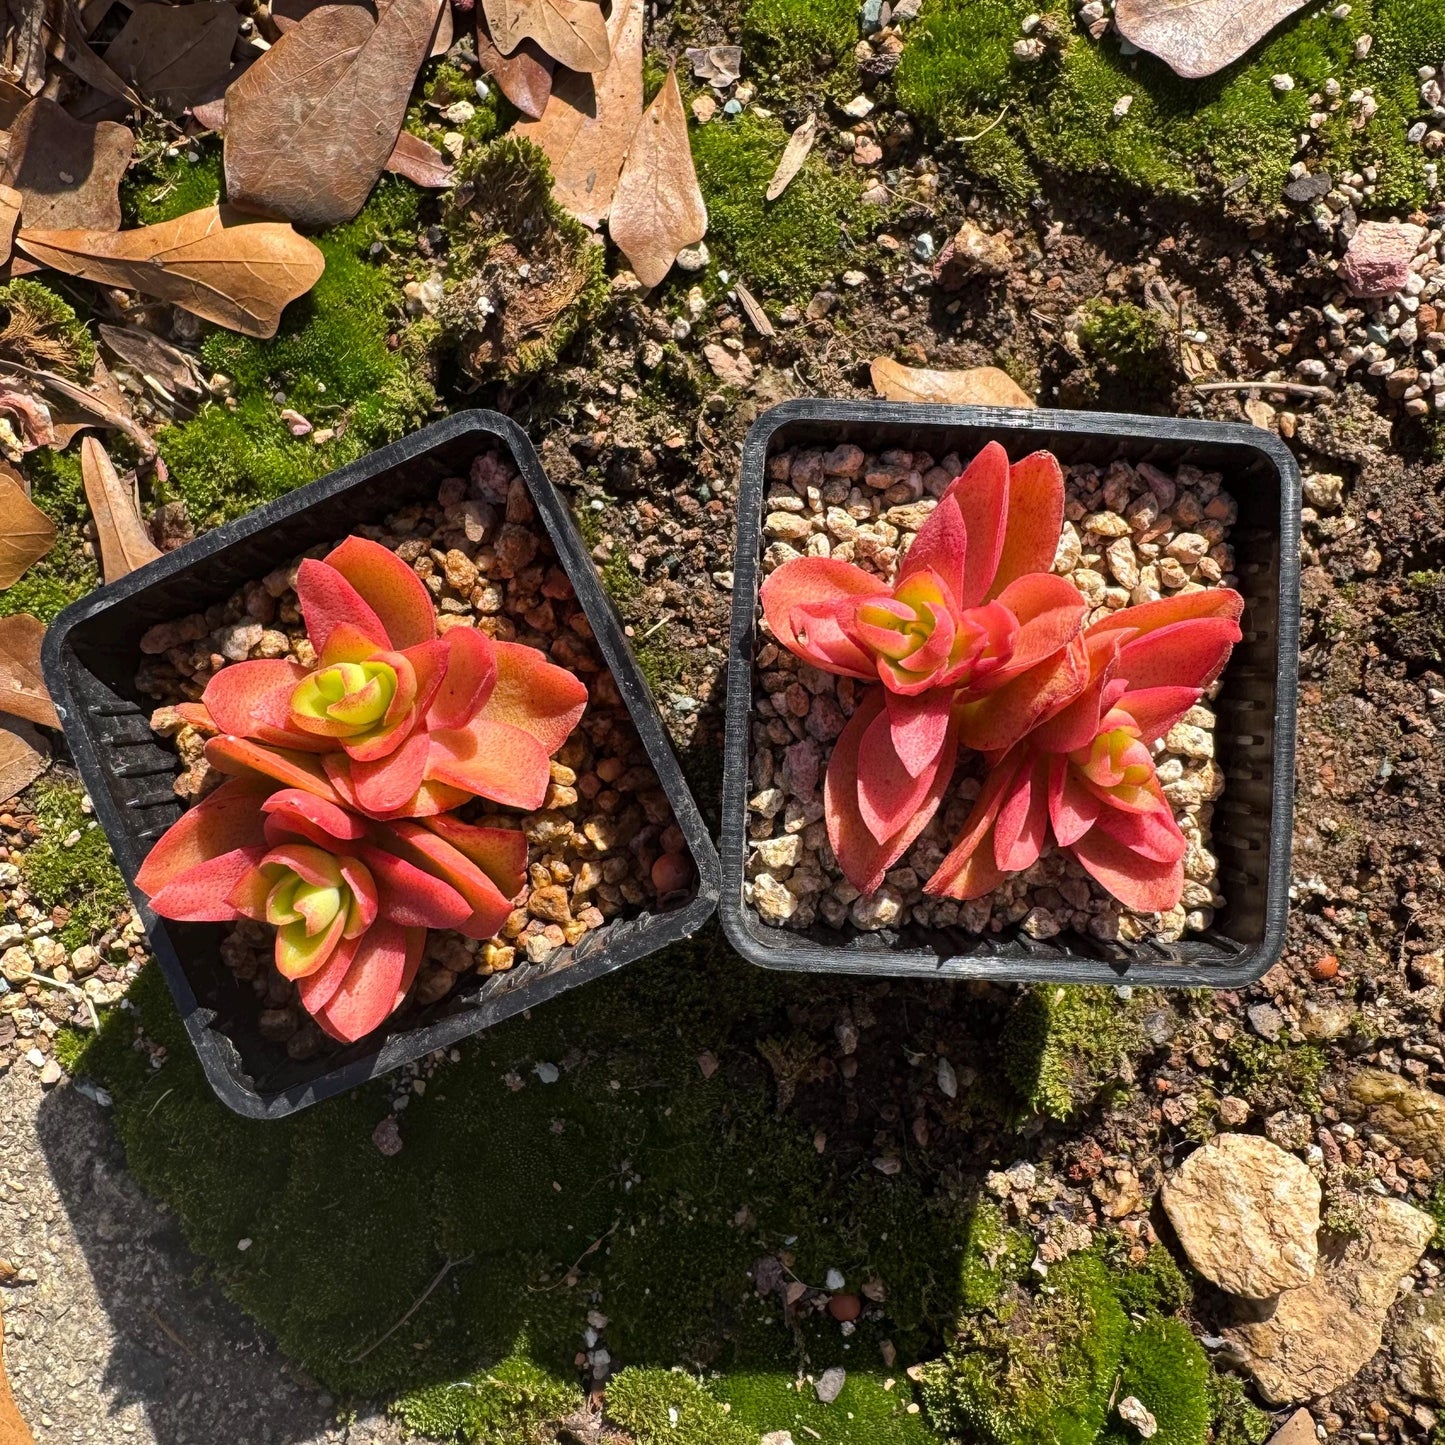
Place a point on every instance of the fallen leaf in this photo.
(290, 13)
(67, 171)
(442, 39)
(658, 209)
(71, 46)
(590, 120)
(794, 154)
(125, 544)
(210, 114)
(26, 533)
(760, 320)
(13, 1430)
(151, 358)
(102, 403)
(10, 202)
(13, 99)
(26, 41)
(310, 125)
(420, 163)
(25, 421)
(977, 386)
(719, 65)
(572, 32)
(1197, 37)
(175, 54)
(223, 267)
(23, 753)
(22, 687)
(524, 77)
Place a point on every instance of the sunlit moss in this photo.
(70, 865)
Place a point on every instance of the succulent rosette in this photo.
(351, 898)
(402, 722)
(970, 643)
(1087, 772)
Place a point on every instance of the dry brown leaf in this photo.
(794, 154)
(223, 267)
(10, 203)
(26, 40)
(26, 533)
(67, 171)
(157, 361)
(25, 420)
(590, 121)
(23, 754)
(445, 34)
(310, 125)
(420, 163)
(1197, 37)
(977, 386)
(22, 687)
(13, 99)
(175, 54)
(524, 77)
(210, 114)
(125, 544)
(12, 1428)
(760, 320)
(572, 32)
(71, 46)
(658, 208)
(74, 408)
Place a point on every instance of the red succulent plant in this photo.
(1087, 770)
(966, 643)
(405, 722)
(351, 897)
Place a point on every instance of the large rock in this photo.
(972, 252)
(1419, 1348)
(1313, 1339)
(1247, 1214)
(1378, 260)
(1413, 1117)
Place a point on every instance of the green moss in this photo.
(622, 584)
(1278, 1075)
(514, 1403)
(39, 329)
(1164, 1368)
(1179, 137)
(1435, 1208)
(871, 1407)
(1233, 1420)
(995, 1257)
(332, 362)
(800, 37)
(784, 249)
(1062, 1046)
(661, 663)
(655, 66)
(80, 876)
(159, 187)
(1158, 1286)
(667, 1407)
(1046, 1375)
(1124, 339)
(65, 574)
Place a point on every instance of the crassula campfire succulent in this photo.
(337, 824)
(1085, 773)
(965, 646)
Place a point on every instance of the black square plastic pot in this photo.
(1254, 737)
(90, 658)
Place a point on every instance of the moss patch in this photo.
(333, 361)
(81, 877)
(1233, 1419)
(39, 329)
(1163, 1367)
(164, 182)
(797, 38)
(66, 573)
(1179, 137)
(659, 1406)
(514, 1403)
(1124, 340)
(1283, 1075)
(784, 249)
(1063, 1046)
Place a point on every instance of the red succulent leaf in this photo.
(221, 822)
(941, 547)
(807, 593)
(888, 793)
(371, 987)
(1050, 612)
(304, 815)
(1022, 823)
(390, 782)
(970, 869)
(202, 893)
(501, 853)
(981, 492)
(534, 695)
(918, 726)
(493, 760)
(409, 896)
(253, 700)
(328, 601)
(429, 799)
(440, 855)
(1136, 881)
(1035, 519)
(242, 757)
(1073, 806)
(317, 989)
(393, 592)
(1156, 709)
(995, 722)
(470, 676)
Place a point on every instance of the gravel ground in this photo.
(112, 1332)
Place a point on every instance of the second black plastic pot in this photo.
(90, 659)
(1254, 738)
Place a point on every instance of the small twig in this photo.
(160, 1101)
(1290, 388)
(425, 1295)
(170, 1334)
(591, 1249)
(69, 988)
(969, 139)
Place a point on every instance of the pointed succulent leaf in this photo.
(995, 722)
(1050, 612)
(410, 896)
(200, 894)
(1035, 519)
(390, 782)
(392, 591)
(307, 816)
(317, 989)
(493, 760)
(470, 675)
(221, 822)
(806, 588)
(253, 700)
(433, 853)
(970, 870)
(1137, 882)
(244, 758)
(501, 853)
(918, 726)
(328, 600)
(941, 547)
(537, 696)
(887, 793)
(369, 991)
(1022, 823)
(981, 493)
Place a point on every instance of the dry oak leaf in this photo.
(310, 125)
(221, 266)
(10, 203)
(13, 1430)
(70, 44)
(658, 209)
(67, 171)
(420, 163)
(23, 754)
(125, 544)
(26, 533)
(155, 360)
(176, 54)
(572, 32)
(524, 77)
(977, 386)
(1197, 37)
(25, 42)
(794, 154)
(591, 119)
(22, 687)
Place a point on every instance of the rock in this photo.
(1132, 1411)
(971, 252)
(1413, 1117)
(693, 258)
(1313, 1339)
(1378, 260)
(1324, 1019)
(1309, 187)
(1324, 491)
(1265, 1019)
(387, 1137)
(730, 368)
(778, 1437)
(51, 1074)
(775, 904)
(830, 1384)
(1299, 1429)
(1247, 1214)
(1419, 1349)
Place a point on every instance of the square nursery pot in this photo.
(1254, 739)
(90, 659)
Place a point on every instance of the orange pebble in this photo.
(1326, 967)
(845, 1307)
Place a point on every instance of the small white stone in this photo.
(1282, 82)
(1121, 106)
